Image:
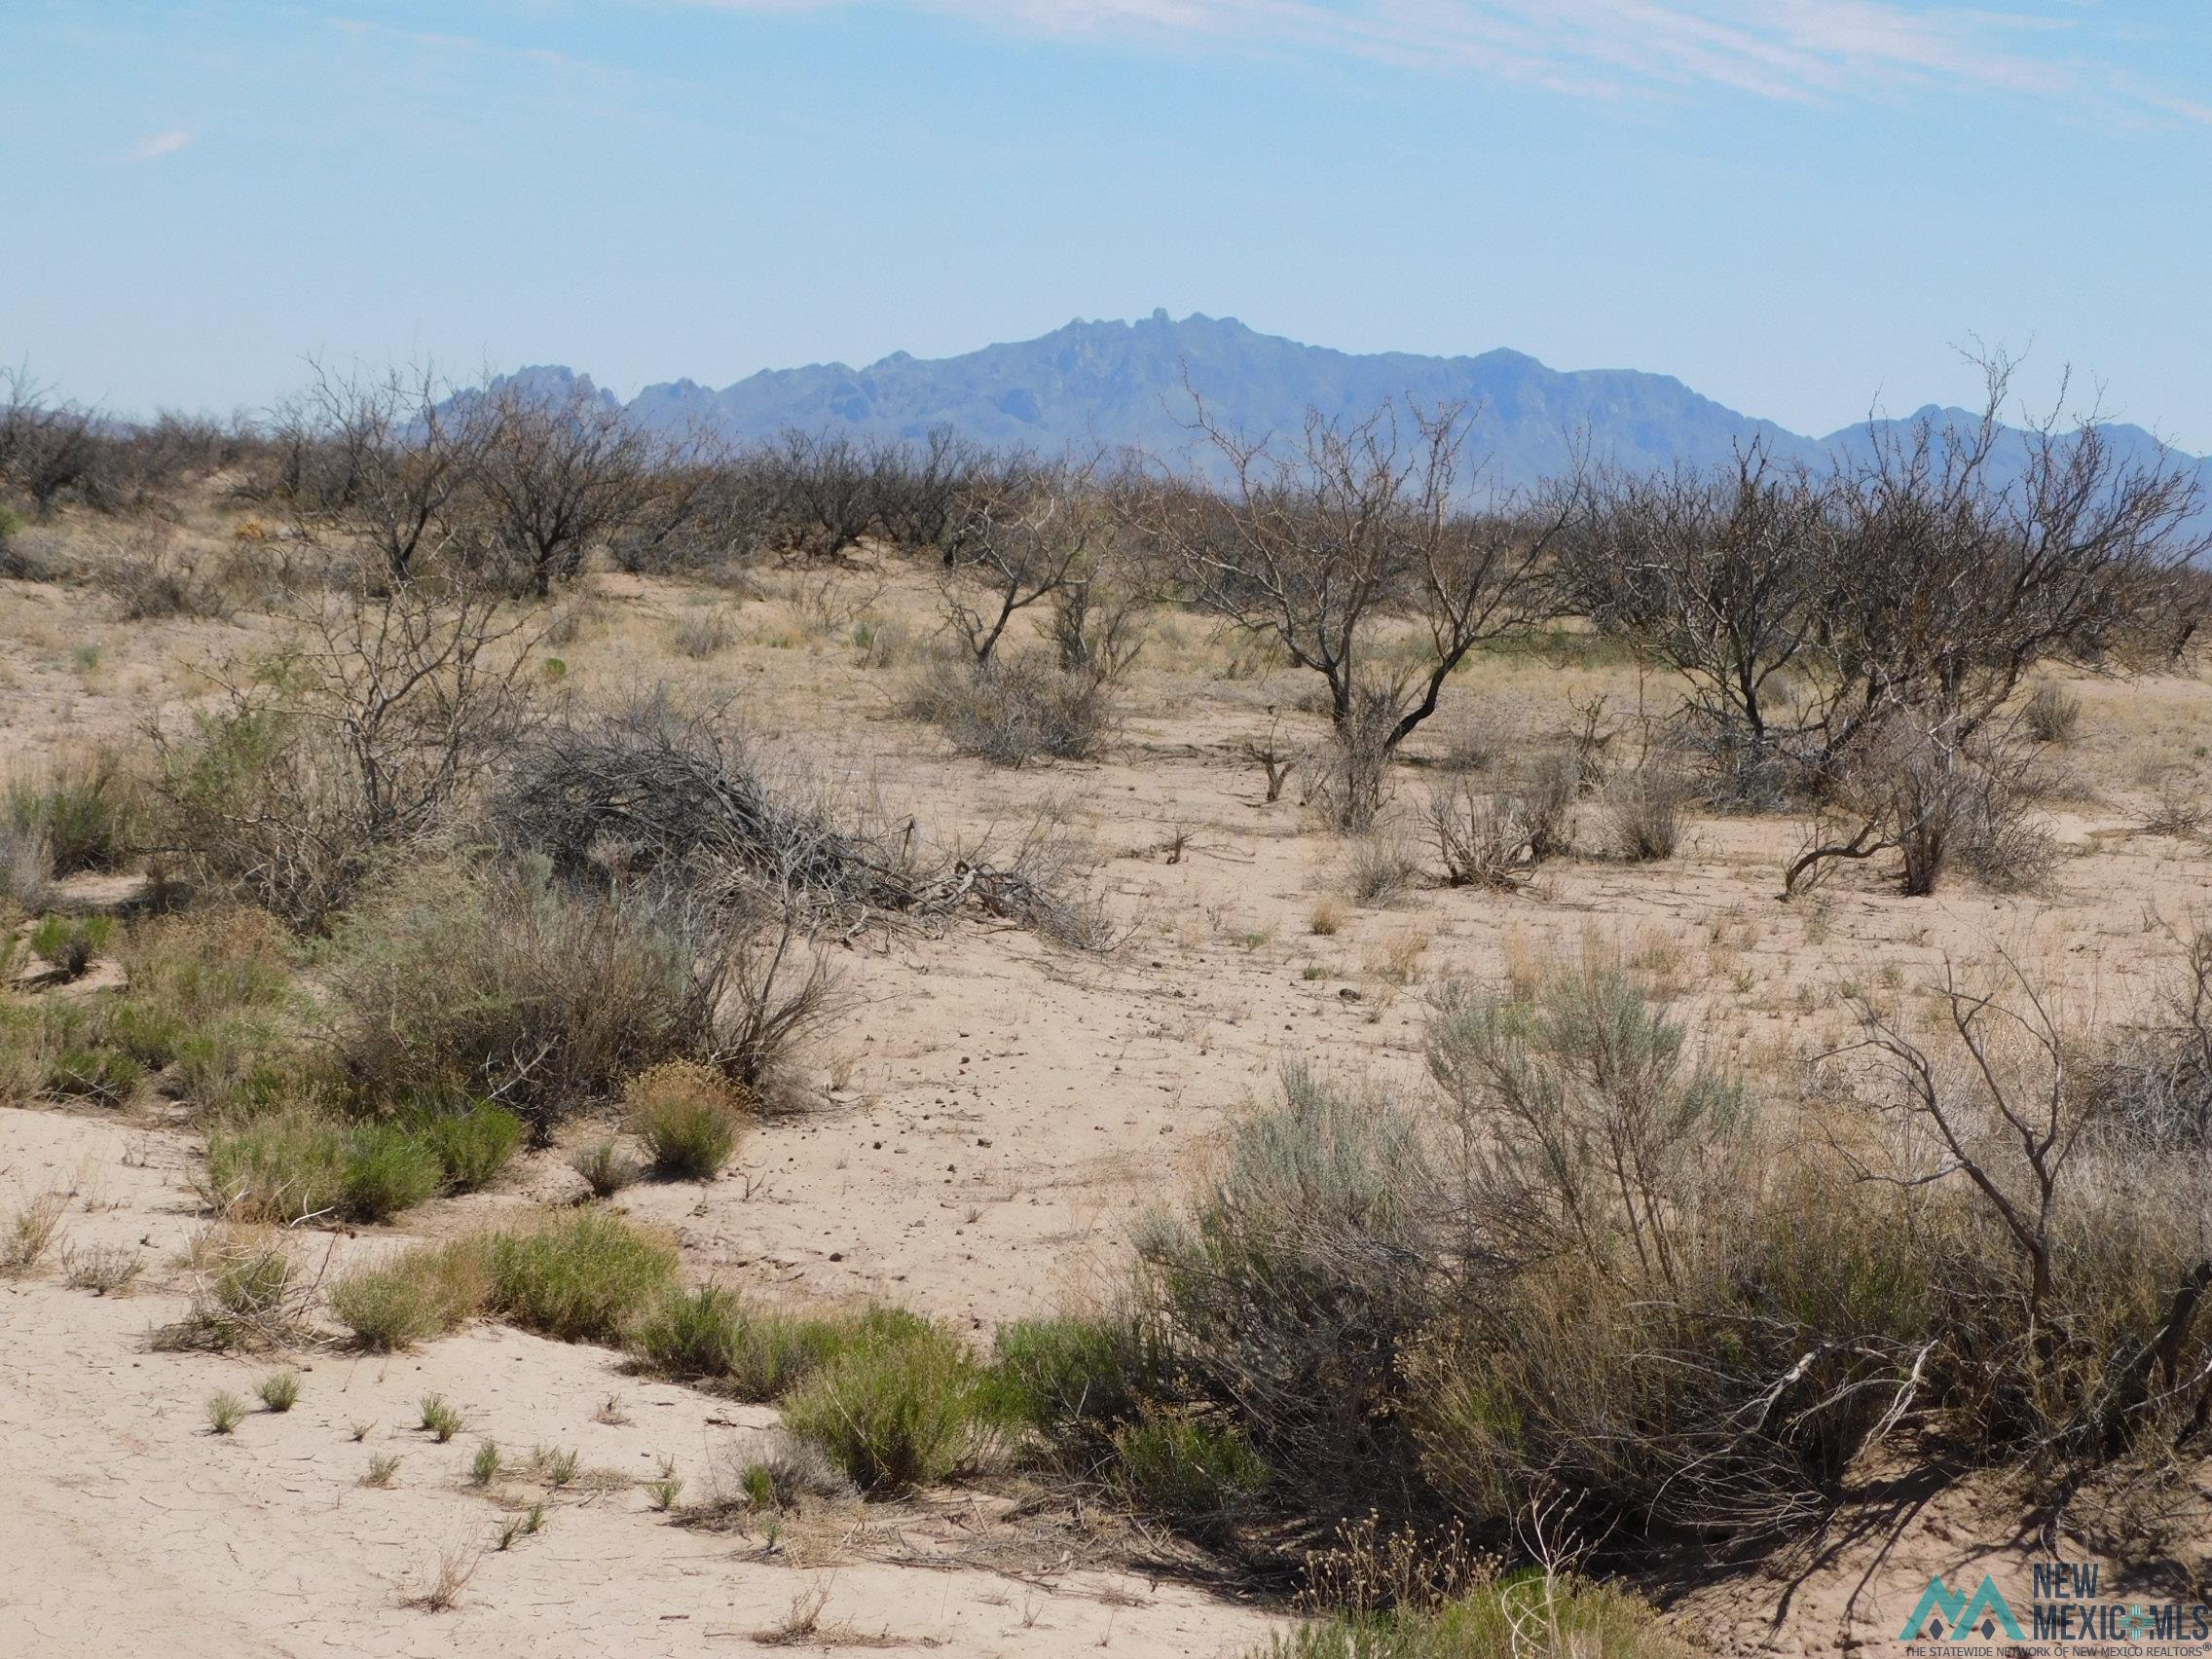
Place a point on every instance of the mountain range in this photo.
(1113, 383)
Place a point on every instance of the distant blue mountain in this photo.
(1116, 384)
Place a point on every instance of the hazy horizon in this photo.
(1801, 209)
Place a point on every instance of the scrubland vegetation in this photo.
(1441, 1350)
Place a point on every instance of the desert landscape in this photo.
(613, 1045)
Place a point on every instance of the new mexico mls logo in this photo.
(1944, 1616)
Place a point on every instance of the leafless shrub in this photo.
(2180, 809)
(1028, 532)
(153, 576)
(1933, 799)
(1272, 759)
(389, 706)
(386, 467)
(1484, 839)
(560, 475)
(1316, 540)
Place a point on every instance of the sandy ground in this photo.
(996, 1110)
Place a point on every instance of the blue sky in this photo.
(1798, 206)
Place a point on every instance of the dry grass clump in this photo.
(690, 1118)
(1378, 867)
(606, 1168)
(1010, 711)
(87, 814)
(702, 633)
(31, 1233)
(1646, 809)
(2052, 712)
(246, 1293)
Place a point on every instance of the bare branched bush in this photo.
(389, 706)
(1027, 533)
(384, 466)
(1935, 800)
(1484, 838)
(1319, 539)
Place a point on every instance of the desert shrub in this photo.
(1378, 867)
(386, 1170)
(1484, 838)
(693, 1334)
(469, 987)
(413, 1295)
(245, 1292)
(582, 1279)
(1531, 1614)
(758, 1355)
(89, 814)
(71, 943)
(1196, 1472)
(775, 1470)
(388, 705)
(606, 1169)
(1645, 809)
(471, 1146)
(1010, 711)
(689, 1117)
(897, 1410)
(699, 634)
(2052, 712)
(1936, 800)
(92, 1072)
(153, 576)
(1293, 1286)
(1075, 1380)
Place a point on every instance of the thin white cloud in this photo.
(158, 145)
(1783, 50)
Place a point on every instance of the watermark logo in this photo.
(2067, 1614)
(1946, 1616)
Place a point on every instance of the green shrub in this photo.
(583, 1279)
(693, 1333)
(1298, 1282)
(759, 1355)
(1192, 1471)
(388, 1169)
(279, 1390)
(280, 1167)
(106, 1074)
(689, 1117)
(1531, 1615)
(897, 1411)
(71, 943)
(1074, 1379)
(468, 988)
(90, 815)
(471, 1146)
(414, 1295)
